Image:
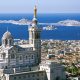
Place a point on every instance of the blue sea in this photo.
(61, 33)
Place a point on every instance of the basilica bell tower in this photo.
(34, 36)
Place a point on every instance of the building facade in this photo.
(33, 75)
(53, 69)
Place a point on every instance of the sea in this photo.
(61, 33)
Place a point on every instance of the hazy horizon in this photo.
(41, 13)
(44, 6)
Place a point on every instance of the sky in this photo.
(44, 6)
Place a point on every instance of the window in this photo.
(37, 35)
(3, 55)
(57, 78)
(19, 77)
(52, 71)
(12, 56)
(20, 57)
(5, 67)
(42, 74)
(32, 57)
(37, 55)
(37, 74)
(12, 51)
(33, 75)
(26, 57)
(14, 78)
(31, 41)
(6, 42)
(32, 35)
(28, 75)
(24, 76)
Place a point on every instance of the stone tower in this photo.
(34, 36)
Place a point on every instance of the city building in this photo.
(54, 70)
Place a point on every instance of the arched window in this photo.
(3, 55)
(32, 35)
(12, 56)
(20, 57)
(37, 35)
(32, 57)
(10, 42)
(26, 57)
(5, 67)
(6, 42)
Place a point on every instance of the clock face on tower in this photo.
(37, 35)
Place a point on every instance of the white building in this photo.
(54, 70)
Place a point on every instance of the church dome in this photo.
(7, 35)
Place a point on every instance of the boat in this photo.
(49, 27)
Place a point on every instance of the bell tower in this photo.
(34, 36)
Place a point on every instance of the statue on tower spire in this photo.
(35, 11)
(34, 21)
